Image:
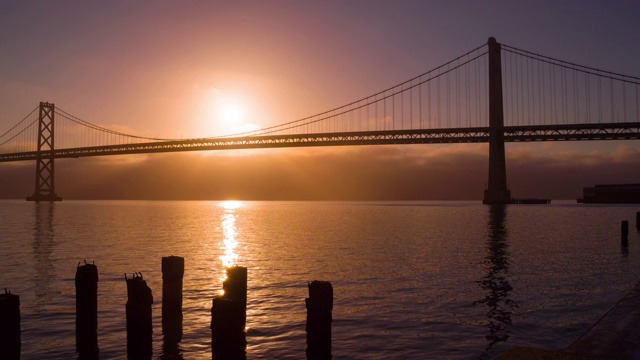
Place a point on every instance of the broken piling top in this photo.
(137, 288)
(229, 316)
(139, 318)
(9, 300)
(10, 309)
(87, 297)
(87, 310)
(321, 290)
(87, 273)
(319, 306)
(10, 325)
(172, 273)
(235, 286)
(172, 268)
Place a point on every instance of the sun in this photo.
(225, 113)
(230, 112)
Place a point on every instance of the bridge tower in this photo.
(497, 191)
(45, 180)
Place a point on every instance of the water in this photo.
(413, 280)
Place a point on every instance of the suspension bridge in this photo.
(494, 93)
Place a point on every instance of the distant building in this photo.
(611, 194)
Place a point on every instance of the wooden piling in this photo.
(228, 337)
(638, 220)
(172, 273)
(9, 325)
(319, 306)
(624, 233)
(171, 336)
(229, 317)
(139, 324)
(87, 310)
(235, 285)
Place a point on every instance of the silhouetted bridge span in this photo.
(494, 93)
(626, 131)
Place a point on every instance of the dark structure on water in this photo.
(611, 194)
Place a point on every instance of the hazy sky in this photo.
(155, 68)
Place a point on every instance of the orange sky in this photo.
(156, 69)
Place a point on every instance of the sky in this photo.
(180, 69)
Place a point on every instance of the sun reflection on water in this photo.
(229, 242)
(231, 204)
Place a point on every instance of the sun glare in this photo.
(231, 204)
(225, 113)
(231, 113)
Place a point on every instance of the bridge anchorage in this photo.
(45, 189)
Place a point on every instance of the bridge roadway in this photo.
(603, 131)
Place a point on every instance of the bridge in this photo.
(494, 93)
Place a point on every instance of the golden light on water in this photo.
(231, 204)
(229, 241)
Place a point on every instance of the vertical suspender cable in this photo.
(429, 103)
(575, 98)
(518, 91)
(449, 90)
(411, 107)
(439, 119)
(565, 98)
(599, 99)
(393, 109)
(624, 100)
(402, 107)
(588, 96)
(540, 97)
(376, 104)
(384, 124)
(509, 64)
(420, 103)
(528, 88)
(544, 97)
(469, 107)
(611, 98)
(637, 105)
(458, 96)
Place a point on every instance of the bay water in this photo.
(412, 280)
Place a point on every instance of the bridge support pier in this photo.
(45, 181)
(497, 191)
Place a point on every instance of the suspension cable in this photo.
(572, 66)
(302, 120)
(79, 121)
(20, 122)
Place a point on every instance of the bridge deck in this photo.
(576, 132)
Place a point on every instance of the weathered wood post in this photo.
(638, 220)
(235, 286)
(9, 325)
(624, 233)
(139, 325)
(172, 274)
(87, 309)
(319, 306)
(229, 316)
